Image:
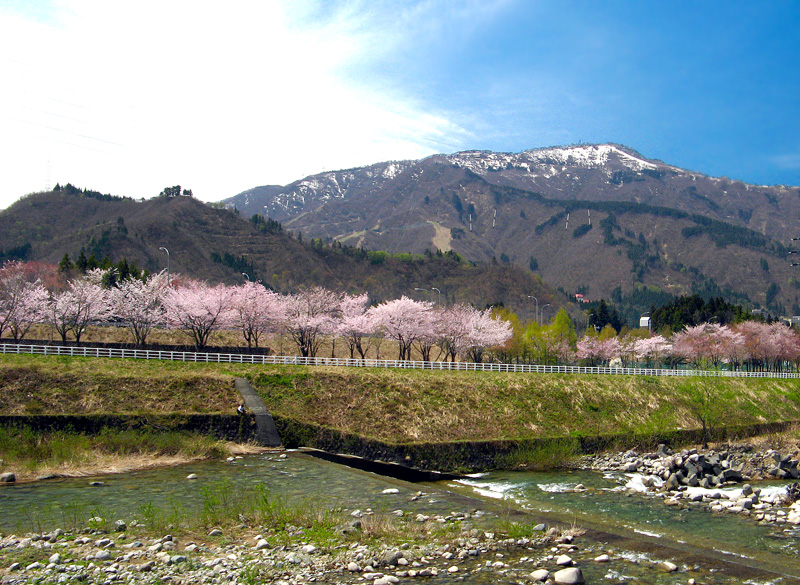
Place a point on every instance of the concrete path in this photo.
(266, 434)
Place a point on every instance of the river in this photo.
(639, 526)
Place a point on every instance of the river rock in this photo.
(564, 561)
(540, 575)
(215, 532)
(8, 477)
(672, 483)
(191, 476)
(663, 451)
(262, 544)
(569, 576)
(102, 555)
(391, 557)
(602, 559)
(667, 567)
(120, 526)
(55, 559)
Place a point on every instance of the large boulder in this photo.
(569, 576)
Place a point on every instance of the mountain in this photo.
(210, 242)
(601, 220)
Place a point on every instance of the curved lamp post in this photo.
(430, 291)
(536, 312)
(167, 251)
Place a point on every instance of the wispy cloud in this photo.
(128, 98)
(787, 161)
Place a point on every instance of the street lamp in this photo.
(430, 291)
(167, 251)
(536, 313)
(543, 308)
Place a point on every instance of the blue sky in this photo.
(128, 98)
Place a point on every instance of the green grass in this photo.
(549, 454)
(26, 450)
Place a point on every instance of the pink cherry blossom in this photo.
(140, 304)
(198, 308)
(256, 311)
(310, 315)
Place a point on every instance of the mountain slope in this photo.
(218, 244)
(599, 219)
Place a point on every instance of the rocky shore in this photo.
(723, 479)
(243, 556)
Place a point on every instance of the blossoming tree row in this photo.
(748, 345)
(198, 309)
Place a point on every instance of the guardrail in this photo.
(191, 356)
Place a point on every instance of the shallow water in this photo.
(605, 503)
(45, 505)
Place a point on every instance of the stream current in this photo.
(604, 507)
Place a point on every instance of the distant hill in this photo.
(601, 220)
(210, 242)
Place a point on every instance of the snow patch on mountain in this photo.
(549, 161)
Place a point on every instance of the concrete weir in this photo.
(266, 433)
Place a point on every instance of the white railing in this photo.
(191, 356)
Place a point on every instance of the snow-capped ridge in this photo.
(549, 160)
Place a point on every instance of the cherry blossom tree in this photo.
(710, 343)
(198, 309)
(652, 350)
(31, 308)
(84, 302)
(428, 335)
(256, 311)
(140, 304)
(310, 315)
(767, 346)
(11, 285)
(484, 330)
(403, 320)
(595, 350)
(356, 323)
(453, 324)
(588, 349)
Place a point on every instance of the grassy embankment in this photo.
(390, 406)
(35, 385)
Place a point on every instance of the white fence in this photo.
(232, 358)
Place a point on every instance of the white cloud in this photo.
(128, 98)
